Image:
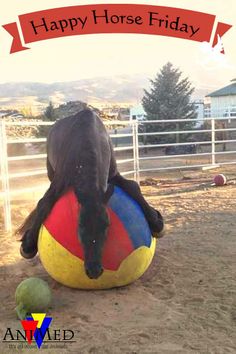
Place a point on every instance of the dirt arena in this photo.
(184, 304)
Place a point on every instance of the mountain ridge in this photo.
(121, 90)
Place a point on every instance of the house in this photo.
(124, 114)
(199, 105)
(137, 113)
(8, 113)
(223, 101)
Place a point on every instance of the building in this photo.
(223, 101)
(124, 114)
(137, 113)
(199, 105)
(9, 113)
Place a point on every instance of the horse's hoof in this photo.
(27, 255)
(159, 234)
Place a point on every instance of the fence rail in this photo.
(132, 135)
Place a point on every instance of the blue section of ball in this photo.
(131, 215)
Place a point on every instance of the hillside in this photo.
(120, 89)
(126, 89)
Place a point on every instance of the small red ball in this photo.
(220, 180)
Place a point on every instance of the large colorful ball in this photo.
(128, 250)
(220, 180)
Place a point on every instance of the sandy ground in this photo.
(185, 303)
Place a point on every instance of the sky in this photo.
(89, 56)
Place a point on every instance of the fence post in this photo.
(135, 150)
(213, 140)
(5, 177)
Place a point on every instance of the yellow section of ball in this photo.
(68, 269)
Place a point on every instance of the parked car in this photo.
(181, 150)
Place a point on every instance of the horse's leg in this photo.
(154, 217)
(34, 221)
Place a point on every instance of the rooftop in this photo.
(225, 91)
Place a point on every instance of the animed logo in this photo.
(35, 330)
(36, 327)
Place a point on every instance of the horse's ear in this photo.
(107, 195)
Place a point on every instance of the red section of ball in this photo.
(220, 180)
(62, 224)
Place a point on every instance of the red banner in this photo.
(114, 18)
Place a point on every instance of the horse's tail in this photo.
(27, 224)
(70, 172)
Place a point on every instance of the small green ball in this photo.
(32, 295)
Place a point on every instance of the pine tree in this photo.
(168, 99)
(50, 113)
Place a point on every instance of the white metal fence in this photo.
(132, 140)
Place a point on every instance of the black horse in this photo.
(80, 156)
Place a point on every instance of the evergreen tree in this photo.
(168, 99)
(49, 113)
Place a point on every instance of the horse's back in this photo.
(82, 137)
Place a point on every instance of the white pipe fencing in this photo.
(5, 177)
(213, 142)
(133, 146)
